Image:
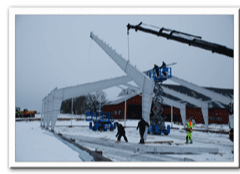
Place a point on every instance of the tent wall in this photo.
(52, 103)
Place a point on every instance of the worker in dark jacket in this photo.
(156, 69)
(120, 133)
(142, 126)
(163, 66)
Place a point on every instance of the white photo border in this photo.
(109, 11)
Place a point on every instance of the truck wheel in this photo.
(165, 133)
(111, 128)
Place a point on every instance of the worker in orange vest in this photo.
(189, 130)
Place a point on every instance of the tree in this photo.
(82, 104)
(66, 106)
(78, 105)
(94, 101)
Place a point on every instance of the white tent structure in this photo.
(52, 102)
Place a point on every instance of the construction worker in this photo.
(142, 126)
(163, 66)
(156, 69)
(120, 133)
(189, 130)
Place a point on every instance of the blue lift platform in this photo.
(157, 123)
(153, 75)
(101, 121)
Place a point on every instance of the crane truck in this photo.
(186, 38)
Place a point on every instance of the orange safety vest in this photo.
(189, 125)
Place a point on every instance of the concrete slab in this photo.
(143, 148)
(176, 150)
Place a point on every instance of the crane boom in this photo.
(186, 38)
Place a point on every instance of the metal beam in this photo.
(213, 95)
(52, 102)
(146, 85)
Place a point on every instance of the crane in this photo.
(186, 38)
(182, 37)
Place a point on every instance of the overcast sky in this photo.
(57, 51)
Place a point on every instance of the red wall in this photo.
(113, 108)
(137, 100)
(219, 116)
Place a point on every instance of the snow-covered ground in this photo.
(36, 144)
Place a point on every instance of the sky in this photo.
(57, 51)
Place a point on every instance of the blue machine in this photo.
(153, 75)
(100, 121)
(157, 124)
(155, 130)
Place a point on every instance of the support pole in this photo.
(72, 112)
(99, 106)
(171, 116)
(42, 112)
(125, 112)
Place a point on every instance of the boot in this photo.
(117, 141)
(186, 139)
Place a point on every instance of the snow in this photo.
(36, 144)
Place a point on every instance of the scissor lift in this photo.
(157, 122)
(101, 121)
